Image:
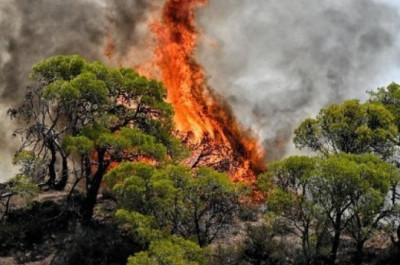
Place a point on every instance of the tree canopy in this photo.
(346, 190)
(170, 251)
(350, 127)
(185, 203)
(390, 98)
(93, 116)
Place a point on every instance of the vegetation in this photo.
(345, 188)
(85, 125)
(172, 199)
(170, 251)
(351, 127)
(91, 116)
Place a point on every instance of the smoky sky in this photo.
(280, 61)
(33, 30)
(275, 61)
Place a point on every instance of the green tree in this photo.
(370, 205)
(341, 192)
(21, 186)
(185, 203)
(351, 127)
(288, 182)
(170, 251)
(93, 116)
(390, 98)
(342, 184)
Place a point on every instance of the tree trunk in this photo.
(52, 165)
(200, 239)
(320, 237)
(93, 189)
(64, 175)
(6, 208)
(359, 251)
(394, 191)
(306, 245)
(396, 243)
(336, 238)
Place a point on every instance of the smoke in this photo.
(276, 61)
(279, 61)
(33, 30)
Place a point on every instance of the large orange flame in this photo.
(199, 112)
(202, 118)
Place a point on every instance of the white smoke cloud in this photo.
(279, 61)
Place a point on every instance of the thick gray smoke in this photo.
(279, 61)
(34, 30)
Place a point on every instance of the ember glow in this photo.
(202, 119)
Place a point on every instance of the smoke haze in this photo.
(276, 61)
(34, 30)
(279, 61)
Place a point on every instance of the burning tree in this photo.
(220, 140)
(82, 117)
(202, 119)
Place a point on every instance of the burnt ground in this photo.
(49, 231)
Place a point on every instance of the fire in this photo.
(203, 120)
(200, 112)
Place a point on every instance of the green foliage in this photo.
(170, 251)
(23, 157)
(78, 144)
(95, 116)
(351, 127)
(144, 227)
(288, 174)
(352, 190)
(389, 97)
(346, 190)
(144, 143)
(30, 165)
(178, 202)
(23, 186)
(344, 180)
(288, 182)
(59, 67)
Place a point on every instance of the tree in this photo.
(351, 127)
(170, 251)
(20, 185)
(342, 192)
(93, 116)
(390, 98)
(370, 205)
(287, 182)
(342, 184)
(184, 202)
(213, 200)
